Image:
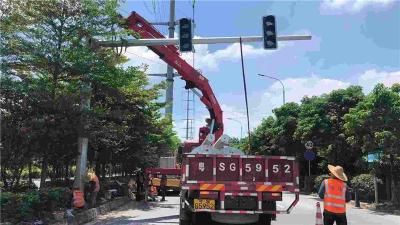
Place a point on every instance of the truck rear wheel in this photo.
(201, 218)
(184, 222)
(185, 216)
(264, 219)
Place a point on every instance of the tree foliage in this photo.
(46, 62)
(373, 126)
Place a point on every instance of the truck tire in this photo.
(184, 222)
(185, 216)
(264, 219)
(201, 218)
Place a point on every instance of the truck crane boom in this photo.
(193, 78)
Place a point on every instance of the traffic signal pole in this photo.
(209, 40)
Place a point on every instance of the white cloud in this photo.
(295, 90)
(372, 77)
(204, 59)
(234, 121)
(352, 6)
(139, 56)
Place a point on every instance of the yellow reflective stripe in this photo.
(340, 197)
(204, 186)
(276, 188)
(335, 204)
(218, 187)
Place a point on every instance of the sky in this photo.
(354, 42)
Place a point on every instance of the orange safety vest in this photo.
(335, 196)
(78, 199)
(153, 190)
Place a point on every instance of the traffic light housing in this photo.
(269, 32)
(185, 35)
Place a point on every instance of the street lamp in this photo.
(241, 127)
(274, 78)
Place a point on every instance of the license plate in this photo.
(204, 204)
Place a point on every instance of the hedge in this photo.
(17, 207)
(364, 183)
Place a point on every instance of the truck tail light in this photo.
(209, 194)
(272, 196)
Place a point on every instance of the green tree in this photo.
(45, 60)
(373, 125)
(321, 120)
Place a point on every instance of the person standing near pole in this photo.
(95, 188)
(163, 186)
(335, 193)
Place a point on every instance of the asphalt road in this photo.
(157, 213)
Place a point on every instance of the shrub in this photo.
(10, 207)
(364, 183)
(60, 196)
(29, 204)
(16, 207)
(318, 180)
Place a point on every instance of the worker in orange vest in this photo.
(335, 193)
(94, 186)
(78, 200)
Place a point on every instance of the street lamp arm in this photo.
(274, 78)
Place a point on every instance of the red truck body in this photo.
(239, 175)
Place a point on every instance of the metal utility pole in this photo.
(274, 78)
(170, 73)
(245, 94)
(83, 139)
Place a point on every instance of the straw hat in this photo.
(337, 171)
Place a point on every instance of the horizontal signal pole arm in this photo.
(209, 40)
(161, 74)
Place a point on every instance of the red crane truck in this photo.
(219, 182)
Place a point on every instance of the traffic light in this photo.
(185, 35)
(269, 32)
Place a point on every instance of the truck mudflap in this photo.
(238, 175)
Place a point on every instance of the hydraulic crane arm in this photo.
(193, 78)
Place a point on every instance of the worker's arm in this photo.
(321, 191)
(348, 195)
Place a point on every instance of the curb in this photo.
(91, 214)
(363, 205)
(372, 206)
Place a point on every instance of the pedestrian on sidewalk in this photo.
(335, 193)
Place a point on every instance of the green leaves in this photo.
(375, 122)
(47, 66)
